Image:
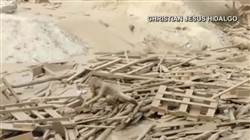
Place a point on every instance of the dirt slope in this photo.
(104, 26)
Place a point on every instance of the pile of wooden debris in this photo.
(198, 96)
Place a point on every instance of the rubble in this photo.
(186, 96)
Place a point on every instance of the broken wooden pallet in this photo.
(183, 104)
(31, 112)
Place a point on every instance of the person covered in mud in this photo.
(101, 89)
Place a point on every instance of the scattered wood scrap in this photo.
(177, 94)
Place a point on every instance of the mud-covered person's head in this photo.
(94, 82)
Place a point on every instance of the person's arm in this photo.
(98, 96)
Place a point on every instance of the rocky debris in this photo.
(8, 6)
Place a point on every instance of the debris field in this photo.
(199, 95)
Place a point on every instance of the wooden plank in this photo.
(231, 88)
(189, 96)
(37, 120)
(184, 107)
(133, 63)
(35, 112)
(10, 88)
(188, 72)
(53, 113)
(124, 76)
(24, 109)
(182, 63)
(55, 98)
(80, 72)
(43, 80)
(172, 132)
(190, 103)
(155, 84)
(150, 65)
(156, 104)
(26, 136)
(95, 126)
(108, 64)
(21, 116)
(195, 111)
(98, 63)
(17, 104)
(5, 99)
(10, 126)
(211, 112)
(177, 124)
